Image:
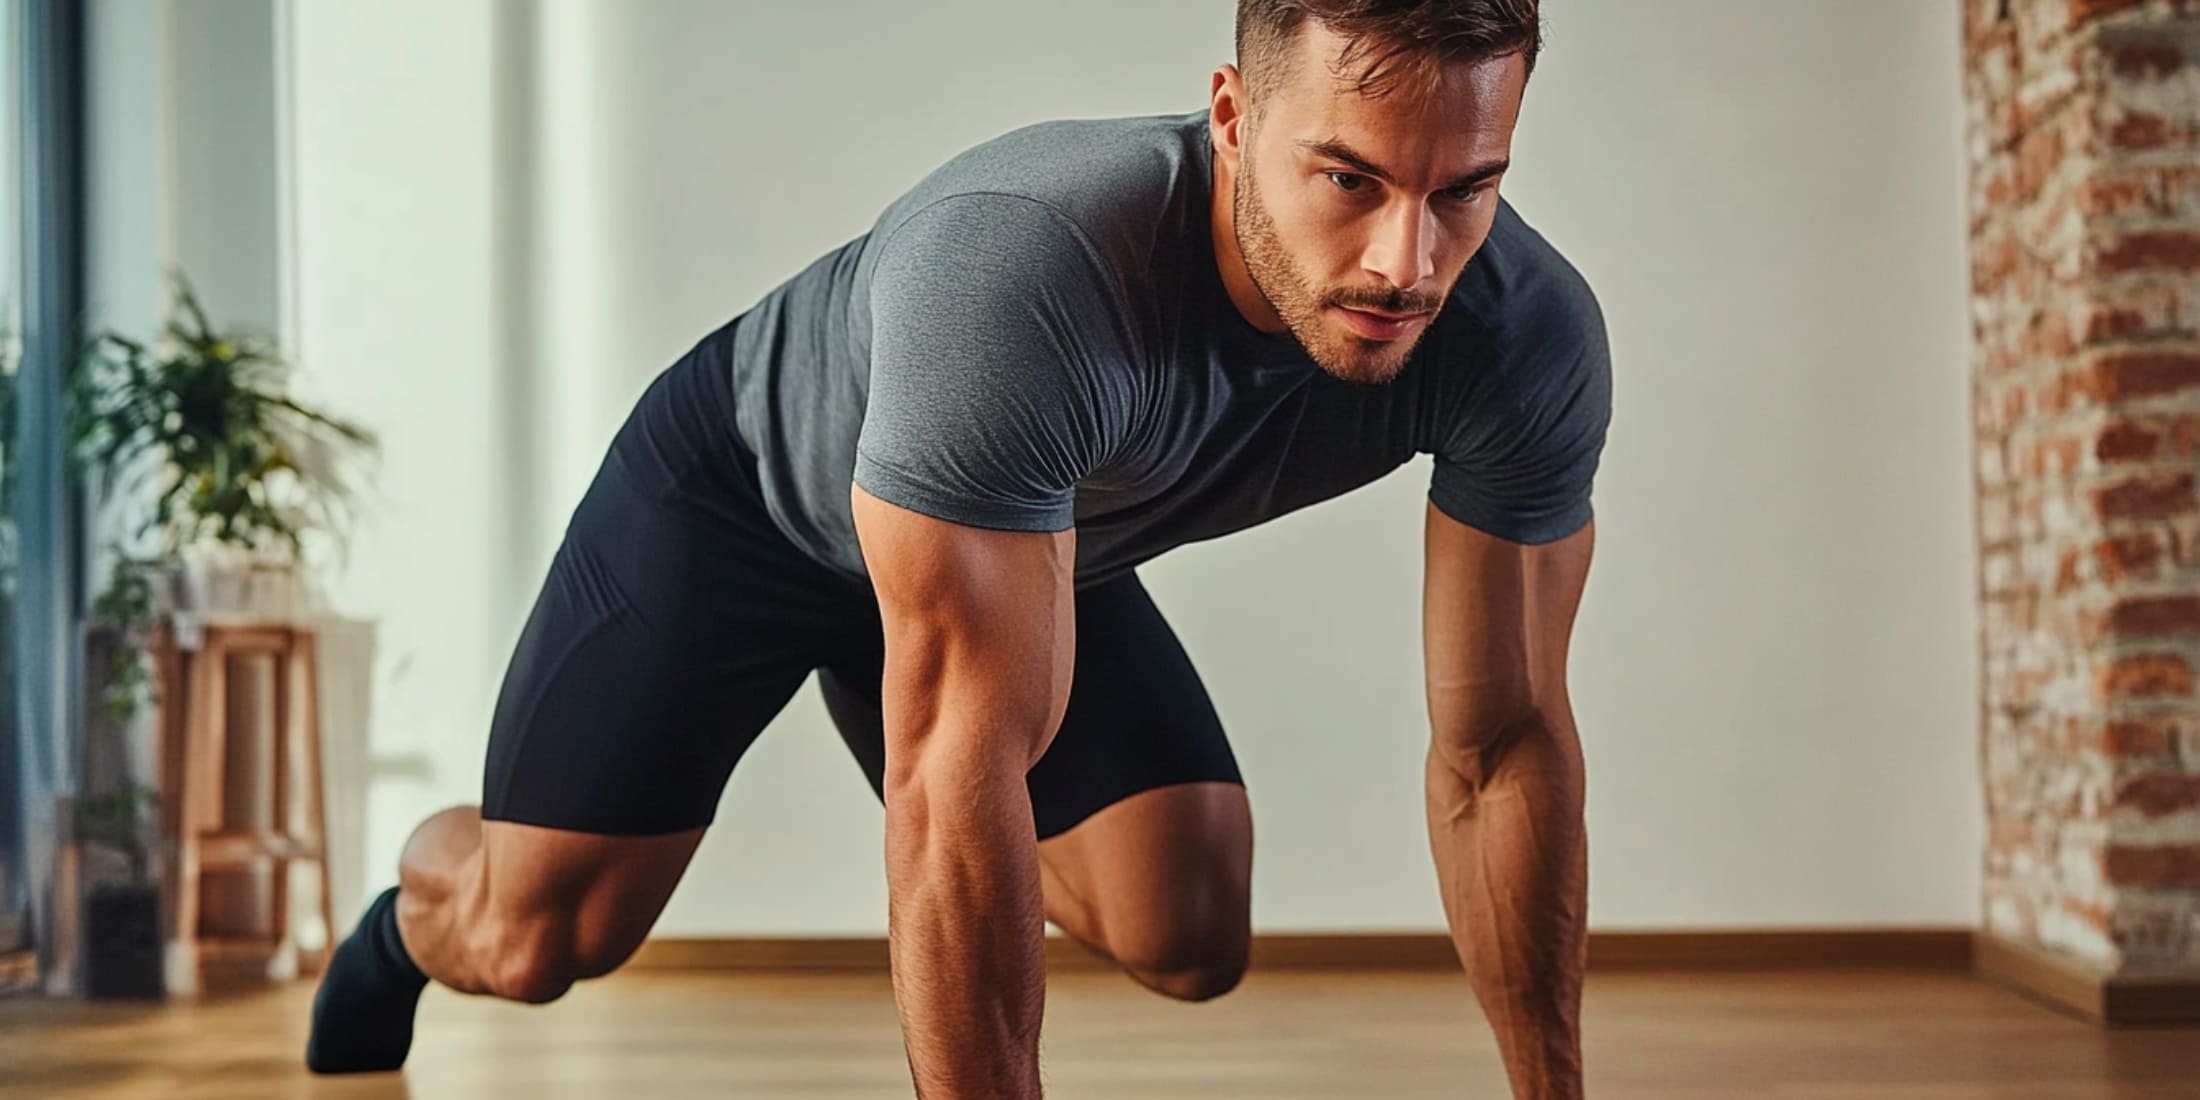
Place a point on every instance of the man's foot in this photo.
(363, 1012)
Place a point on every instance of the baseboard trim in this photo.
(1858, 948)
(18, 971)
(2110, 1000)
(1901, 948)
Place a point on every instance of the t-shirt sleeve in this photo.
(994, 324)
(1521, 467)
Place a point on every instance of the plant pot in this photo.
(271, 591)
(247, 590)
(122, 948)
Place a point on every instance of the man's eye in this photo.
(1463, 194)
(1345, 181)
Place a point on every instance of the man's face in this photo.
(1346, 204)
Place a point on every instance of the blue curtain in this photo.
(14, 884)
(40, 564)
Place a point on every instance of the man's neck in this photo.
(1236, 279)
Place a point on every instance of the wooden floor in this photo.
(1282, 1035)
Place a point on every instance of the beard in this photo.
(1304, 309)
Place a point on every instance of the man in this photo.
(927, 466)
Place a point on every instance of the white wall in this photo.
(395, 307)
(124, 150)
(508, 216)
(180, 161)
(221, 104)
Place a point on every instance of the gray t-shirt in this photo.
(1037, 336)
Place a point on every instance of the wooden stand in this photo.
(192, 658)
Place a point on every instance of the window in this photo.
(40, 297)
(15, 964)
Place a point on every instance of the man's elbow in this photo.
(1537, 740)
(960, 771)
(937, 767)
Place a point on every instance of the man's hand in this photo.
(979, 651)
(1505, 788)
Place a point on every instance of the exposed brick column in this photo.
(2084, 141)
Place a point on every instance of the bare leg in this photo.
(439, 867)
(495, 908)
(521, 911)
(1160, 882)
(441, 852)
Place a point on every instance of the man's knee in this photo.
(1190, 960)
(536, 909)
(535, 961)
(1204, 980)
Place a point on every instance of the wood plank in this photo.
(1287, 1035)
(233, 848)
(1911, 949)
(316, 828)
(2088, 992)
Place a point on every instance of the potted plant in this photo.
(116, 814)
(208, 473)
(13, 923)
(200, 433)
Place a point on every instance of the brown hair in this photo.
(1388, 42)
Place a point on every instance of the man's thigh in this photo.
(675, 621)
(1138, 718)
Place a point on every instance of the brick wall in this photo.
(2084, 142)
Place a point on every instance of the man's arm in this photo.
(1505, 788)
(979, 651)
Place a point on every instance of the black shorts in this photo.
(677, 621)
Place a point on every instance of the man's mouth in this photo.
(1376, 324)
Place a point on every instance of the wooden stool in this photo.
(192, 655)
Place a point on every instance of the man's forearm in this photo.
(1505, 826)
(966, 929)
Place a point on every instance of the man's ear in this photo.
(1226, 113)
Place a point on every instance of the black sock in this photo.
(363, 1012)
